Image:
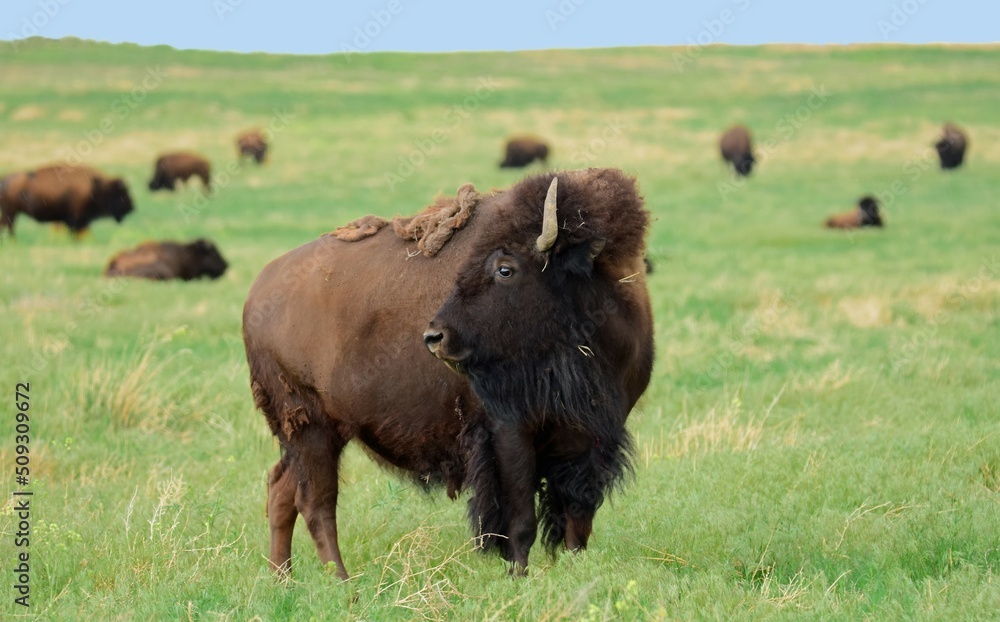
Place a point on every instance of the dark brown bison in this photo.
(523, 151)
(173, 167)
(540, 322)
(169, 260)
(951, 147)
(866, 214)
(74, 195)
(251, 143)
(736, 149)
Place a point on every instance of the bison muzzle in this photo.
(533, 302)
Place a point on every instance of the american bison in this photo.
(169, 260)
(523, 151)
(173, 167)
(540, 324)
(74, 195)
(951, 147)
(866, 214)
(251, 143)
(736, 149)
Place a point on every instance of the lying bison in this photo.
(74, 195)
(523, 151)
(737, 150)
(540, 323)
(951, 147)
(252, 144)
(866, 214)
(173, 167)
(162, 261)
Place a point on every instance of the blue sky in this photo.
(296, 26)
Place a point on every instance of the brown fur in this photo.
(251, 143)
(951, 146)
(334, 335)
(522, 151)
(169, 260)
(866, 214)
(735, 146)
(181, 166)
(74, 195)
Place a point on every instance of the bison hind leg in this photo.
(281, 513)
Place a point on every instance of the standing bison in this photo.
(521, 152)
(533, 301)
(162, 261)
(736, 149)
(173, 167)
(866, 214)
(252, 144)
(951, 147)
(74, 195)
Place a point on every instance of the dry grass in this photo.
(416, 573)
(724, 428)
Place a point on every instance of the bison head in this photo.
(744, 164)
(113, 198)
(207, 258)
(869, 211)
(535, 318)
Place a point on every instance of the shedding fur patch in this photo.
(292, 420)
(430, 229)
(433, 227)
(359, 229)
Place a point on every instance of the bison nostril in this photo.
(433, 339)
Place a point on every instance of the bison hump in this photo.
(430, 229)
(433, 227)
(359, 229)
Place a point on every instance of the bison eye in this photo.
(505, 272)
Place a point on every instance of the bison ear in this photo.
(579, 259)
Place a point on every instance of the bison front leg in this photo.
(515, 456)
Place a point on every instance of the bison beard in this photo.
(333, 339)
(569, 396)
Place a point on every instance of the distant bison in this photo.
(181, 166)
(951, 147)
(251, 143)
(864, 215)
(169, 260)
(523, 151)
(736, 149)
(74, 195)
(534, 305)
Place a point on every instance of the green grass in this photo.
(821, 437)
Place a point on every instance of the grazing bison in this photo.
(74, 195)
(173, 167)
(169, 260)
(864, 215)
(251, 143)
(736, 149)
(523, 151)
(536, 309)
(951, 146)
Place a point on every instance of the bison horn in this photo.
(550, 226)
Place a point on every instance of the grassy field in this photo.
(821, 437)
